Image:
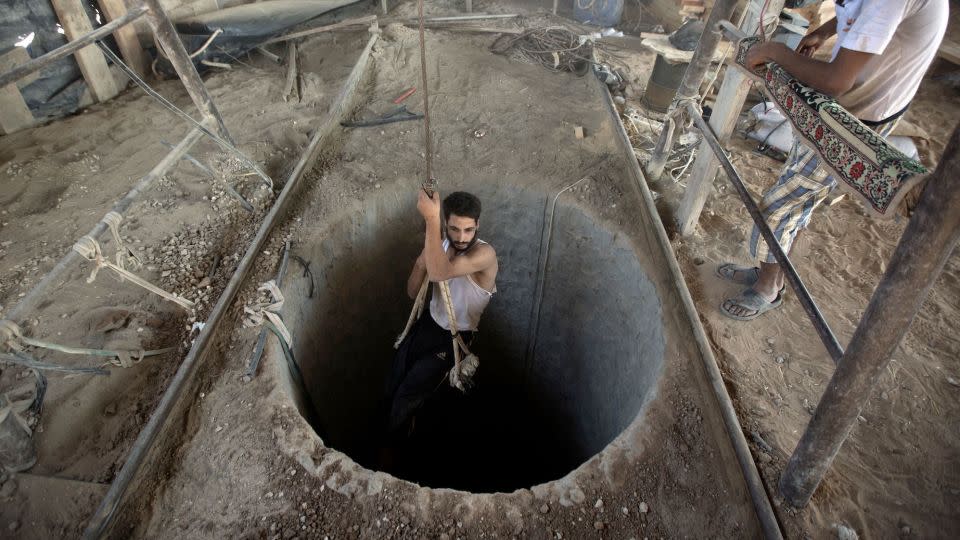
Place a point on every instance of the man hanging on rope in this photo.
(883, 48)
(468, 265)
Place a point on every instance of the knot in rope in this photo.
(125, 255)
(10, 332)
(89, 249)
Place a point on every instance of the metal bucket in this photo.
(663, 84)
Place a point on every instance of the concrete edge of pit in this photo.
(758, 494)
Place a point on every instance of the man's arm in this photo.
(416, 277)
(832, 78)
(438, 264)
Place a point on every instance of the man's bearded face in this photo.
(462, 232)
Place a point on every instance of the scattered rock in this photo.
(577, 496)
(643, 507)
(598, 525)
(598, 504)
(14, 525)
(770, 341)
(905, 530)
(625, 510)
(110, 409)
(779, 359)
(544, 508)
(768, 351)
(698, 261)
(953, 381)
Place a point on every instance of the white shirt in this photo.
(469, 300)
(904, 35)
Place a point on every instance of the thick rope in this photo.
(125, 255)
(463, 367)
(260, 313)
(12, 336)
(428, 143)
(415, 312)
(89, 249)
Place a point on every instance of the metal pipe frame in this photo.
(58, 272)
(751, 476)
(177, 55)
(827, 336)
(137, 459)
(930, 237)
(39, 63)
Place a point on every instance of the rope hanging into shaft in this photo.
(429, 184)
(464, 368)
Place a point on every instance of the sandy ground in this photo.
(898, 474)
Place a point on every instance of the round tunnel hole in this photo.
(531, 418)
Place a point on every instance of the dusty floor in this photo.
(898, 475)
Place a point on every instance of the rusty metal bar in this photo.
(819, 323)
(930, 237)
(170, 42)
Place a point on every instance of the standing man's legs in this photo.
(787, 207)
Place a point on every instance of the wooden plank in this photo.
(14, 113)
(93, 65)
(949, 50)
(127, 39)
(733, 92)
(359, 21)
(17, 56)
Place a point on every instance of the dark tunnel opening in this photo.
(597, 351)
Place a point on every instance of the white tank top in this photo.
(469, 300)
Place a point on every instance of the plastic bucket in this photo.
(605, 13)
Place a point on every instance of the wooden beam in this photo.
(92, 64)
(359, 21)
(730, 98)
(126, 37)
(14, 113)
(729, 101)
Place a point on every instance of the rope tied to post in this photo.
(89, 249)
(125, 255)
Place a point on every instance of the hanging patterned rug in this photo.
(861, 161)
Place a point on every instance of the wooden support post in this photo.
(730, 99)
(931, 236)
(384, 7)
(126, 37)
(555, 6)
(692, 79)
(469, 5)
(167, 36)
(92, 64)
(14, 113)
